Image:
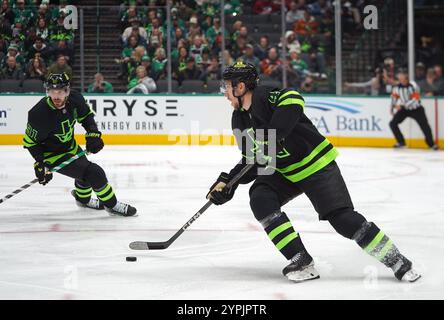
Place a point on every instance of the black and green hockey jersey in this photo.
(49, 133)
(302, 149)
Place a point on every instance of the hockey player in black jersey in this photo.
(304, 162)
(50, 139)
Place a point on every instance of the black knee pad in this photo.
(95, 176)
(346, 221)
(263, 201)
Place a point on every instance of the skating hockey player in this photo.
(304, 163)
(50, 139)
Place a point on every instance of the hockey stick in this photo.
(55, 169)
(143, 245)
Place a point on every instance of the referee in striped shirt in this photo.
(406, 101)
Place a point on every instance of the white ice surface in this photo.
(50, 249)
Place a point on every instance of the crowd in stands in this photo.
(34, 43)
(428, 71)
(196, 40)
(33, 39)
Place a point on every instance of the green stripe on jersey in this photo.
(307, 159)
(315, 167)
(292, 92)
(288, 101)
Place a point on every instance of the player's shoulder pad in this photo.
(289, 91)
(261, 94)
(41, 108)
(74, 95)
(289, 96)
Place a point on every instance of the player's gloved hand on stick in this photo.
(42, 173)
(94, 142)
(218, 193)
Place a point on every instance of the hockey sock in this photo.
(83, 193)
(377, 244)
(282, 234)
(106, 196)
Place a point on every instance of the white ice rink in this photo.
(50, 249)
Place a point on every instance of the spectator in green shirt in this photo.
(233, 7)
(214, 31)
(298, 65)
(209, 9)
(177, 21)
(59, 32)
(22, 12)
(132, 45)
(100, 85)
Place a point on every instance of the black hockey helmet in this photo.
(241, 71)
(57, 81)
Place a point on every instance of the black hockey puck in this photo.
(131, 259)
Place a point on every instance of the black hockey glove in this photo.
(42, 173)
(94, 142)
(218, 194)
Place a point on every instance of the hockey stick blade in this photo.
(142, 245)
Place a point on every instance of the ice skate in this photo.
(301, 268)
(404, 272)
(399, 145)
(122, 209)
(92, 203)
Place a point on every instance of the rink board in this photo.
(205, 119)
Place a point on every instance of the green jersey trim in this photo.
(288, 101)
(28, 142)
(50, 158)
(50, 104)
(313, 168)
(307, 159)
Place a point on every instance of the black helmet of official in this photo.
(57, 81)
(242, 71)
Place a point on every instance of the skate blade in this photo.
(306, 274)
(411, 276)
(83, 206)
(120, 215)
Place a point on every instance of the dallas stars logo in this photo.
(67, 131)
